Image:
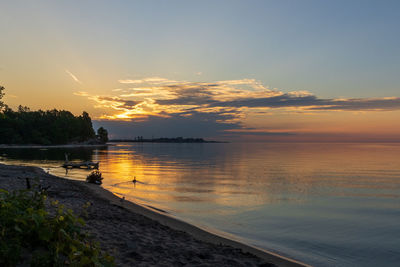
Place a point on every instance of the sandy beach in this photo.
(138, 236)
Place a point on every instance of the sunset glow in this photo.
(200, 133)
(322, 82)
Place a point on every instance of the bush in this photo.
(94, 177)
(28, 233)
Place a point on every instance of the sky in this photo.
(227, 70)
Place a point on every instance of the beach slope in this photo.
(138, 236)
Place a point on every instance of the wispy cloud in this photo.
(11, 96)
(73, 76)
(82, 93)
(152, 80)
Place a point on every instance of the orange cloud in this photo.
(228, 102)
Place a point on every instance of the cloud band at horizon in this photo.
(159, 106)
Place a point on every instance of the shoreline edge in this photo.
(173, 222)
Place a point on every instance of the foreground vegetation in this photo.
(29, 234)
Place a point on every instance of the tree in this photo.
(1, 96)
(87, 131)
(102, 135)
(49, 127)
(43, 127)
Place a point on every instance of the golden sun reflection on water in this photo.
(175, 178)
(161, 181)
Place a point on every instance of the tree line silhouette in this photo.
(48, 127)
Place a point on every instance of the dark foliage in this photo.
(94, 177)
(44, 127)
(102, 135)
(1, 96)
(30, 235)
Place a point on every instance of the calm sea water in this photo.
(323, 204)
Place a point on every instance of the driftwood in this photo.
(40, 187)
(28, 183)
(86, 164)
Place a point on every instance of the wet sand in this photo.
(138, 236)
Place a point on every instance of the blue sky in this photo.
(333, 49)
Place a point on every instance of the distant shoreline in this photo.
(165, 140)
